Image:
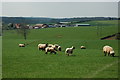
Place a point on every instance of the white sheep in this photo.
(50, 49)
(50, 45)
(55, 46)
(108, 50)
(21, 45)
(69, 51)
(42, 46)
(82, 47)
(59, 48)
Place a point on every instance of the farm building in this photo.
(82, 25)
(18, 26)
(56, 25)
(65, 22)
(62, 26)
(37, 26)
(51, 26)
(30, 27)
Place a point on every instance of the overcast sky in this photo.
(60, 0)
(60, 9)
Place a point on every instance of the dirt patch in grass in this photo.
(59, 36)
(110, 37)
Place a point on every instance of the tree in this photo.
(23, 30)
(10, 26)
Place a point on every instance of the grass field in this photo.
(28, 62)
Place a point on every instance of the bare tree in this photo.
(10, 26)
(23, 30)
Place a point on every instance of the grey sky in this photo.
(60, 0)
(60, 9)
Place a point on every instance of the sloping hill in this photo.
(29, 62)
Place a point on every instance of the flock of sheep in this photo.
(53, 48)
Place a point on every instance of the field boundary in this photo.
(110, 37)
(100, 70)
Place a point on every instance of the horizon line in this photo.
(61, 17)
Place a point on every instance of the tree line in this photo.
(35, 20)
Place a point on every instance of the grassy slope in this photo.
(105, 28)
(28, 62)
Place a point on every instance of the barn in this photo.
(37, 26)
(77, 25)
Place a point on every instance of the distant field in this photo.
(28, 62)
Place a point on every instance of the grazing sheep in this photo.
(50, 45)
(42, 46)
(108, 50)
(82, 47)
(56, 45)
(53, 45)
(69, 51)
(21, 45)
(59, 48)
(50, 49)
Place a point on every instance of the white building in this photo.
(82, 25)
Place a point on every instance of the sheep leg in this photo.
(50, 52)
(45, 52)
(68, 54)
(109, 54)
(43, 49)
(104, 53)
(112, 55)
(54, 52)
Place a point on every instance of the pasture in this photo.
(28, 62)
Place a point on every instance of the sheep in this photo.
(69, 51)
(108, 50)
(50, 45)
(82, 47)
(55, 46)
(42, 46)
(50, 49)
(59, 48)
(21, 45)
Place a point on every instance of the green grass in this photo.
(105, 27)
(28, 62)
